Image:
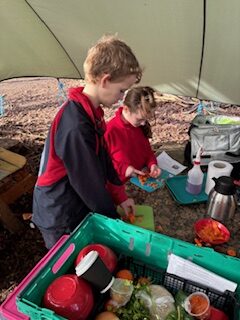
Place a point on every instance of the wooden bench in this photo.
(15, 180)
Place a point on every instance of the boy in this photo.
(75, 166)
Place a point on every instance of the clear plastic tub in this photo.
(121, 291)
(198, 306)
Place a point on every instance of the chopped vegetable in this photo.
(211, 233)
(110, 305)
(198, 242)
(143, 179)
(130, 218)
(198, 304)
(106, 315)
(125, 274)
(144, 281)
(232, 252)
(159, 228)
(139, 218)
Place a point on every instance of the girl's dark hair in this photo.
(147, 130)
(141, 98)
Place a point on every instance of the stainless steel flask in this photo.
(222, 201)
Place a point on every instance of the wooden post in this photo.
(8, 219)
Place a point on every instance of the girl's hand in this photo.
(132, 172)
(155, 171)
(128, 207)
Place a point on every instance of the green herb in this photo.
(180, 313)
(134, 309)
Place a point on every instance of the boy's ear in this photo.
(104, 80)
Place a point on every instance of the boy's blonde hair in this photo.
(111, 56)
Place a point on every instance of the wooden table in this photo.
(15, 180)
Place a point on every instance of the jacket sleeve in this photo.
(117, 192)
(151, 158)
(119, 159)
(77, 148)
(114, 184)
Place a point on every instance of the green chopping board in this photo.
(144, 217)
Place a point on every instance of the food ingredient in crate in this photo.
(106, 315)
(159, 301)
(134, 309)
(180, 312)
(125, 274)
(198, 306)
(121, 291)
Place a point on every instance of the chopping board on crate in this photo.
(144, 217)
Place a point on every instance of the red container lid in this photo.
(70, 297)
(106, 254)
(63, 289)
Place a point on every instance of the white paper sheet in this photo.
(191, 271)
(169, 164)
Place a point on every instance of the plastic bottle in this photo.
(195, 176)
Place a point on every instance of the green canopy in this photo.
(187, 47)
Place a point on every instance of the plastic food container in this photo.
(93, 270)
(69, 297)
(198, 306)
(217, 314)
(211, 231)
(106, 254)
(121, 291)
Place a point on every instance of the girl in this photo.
(128, 132)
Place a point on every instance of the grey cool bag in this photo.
(218, 135)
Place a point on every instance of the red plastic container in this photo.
(106, 254)
(217, 314)
(70, 297)
(216, 233)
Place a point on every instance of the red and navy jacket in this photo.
(75, 168)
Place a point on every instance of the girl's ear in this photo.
(104, 80)
(125, 108)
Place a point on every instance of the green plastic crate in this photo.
(147, 246)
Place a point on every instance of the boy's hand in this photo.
(132, 172)
(155, 171)
(128, 207)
